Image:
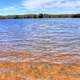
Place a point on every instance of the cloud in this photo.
(32, 4)
(7, 9)
(44, 4)
(13, 10)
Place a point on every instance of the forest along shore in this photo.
(40, 16)
(39, 67)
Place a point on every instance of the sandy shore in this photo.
(61, 67)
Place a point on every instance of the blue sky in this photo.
(10, 7)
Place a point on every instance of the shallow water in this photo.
(40, 35)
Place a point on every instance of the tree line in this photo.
(40, 16)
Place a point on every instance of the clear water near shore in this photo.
(40, 35)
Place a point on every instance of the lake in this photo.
(45, 36)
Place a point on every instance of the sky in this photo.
(14, 7)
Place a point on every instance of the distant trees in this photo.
(76, 16)
(40, 16)
(2, 17)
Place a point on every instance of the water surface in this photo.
(50, 36)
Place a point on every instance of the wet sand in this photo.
(26, 66)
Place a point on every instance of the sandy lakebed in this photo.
(23, 66)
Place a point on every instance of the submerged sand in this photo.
(24, 66)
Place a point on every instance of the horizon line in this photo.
(42, 13)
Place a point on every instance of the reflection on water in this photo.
(40, 35)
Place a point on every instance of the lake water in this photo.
(40, 35)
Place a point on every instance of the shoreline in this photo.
(41, 15)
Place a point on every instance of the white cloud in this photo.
(32, 4)
(7, 9)
(41, 4)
